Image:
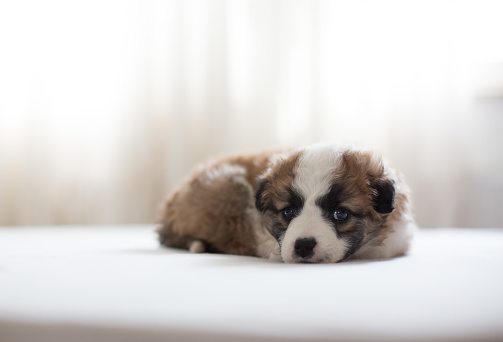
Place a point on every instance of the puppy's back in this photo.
(214, 208)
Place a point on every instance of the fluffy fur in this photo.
(317, 204)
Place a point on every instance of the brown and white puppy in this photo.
(316, 204)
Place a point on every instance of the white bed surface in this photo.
(114, 283)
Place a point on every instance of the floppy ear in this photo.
(383, 195)
(260, 200)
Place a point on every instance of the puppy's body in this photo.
(320, 203)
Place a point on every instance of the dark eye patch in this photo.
(288, 199)
(295, 199)
(289, 214)
(352, 229)
(335, 199)
(291, 199)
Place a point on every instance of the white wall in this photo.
(105, 105)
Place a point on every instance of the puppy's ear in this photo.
(260, 198)
(383, 195)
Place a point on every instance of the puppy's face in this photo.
(323, 203)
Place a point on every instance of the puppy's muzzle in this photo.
(304, 247)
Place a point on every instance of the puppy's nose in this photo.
(304, 247)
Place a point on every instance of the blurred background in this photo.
(106, 105)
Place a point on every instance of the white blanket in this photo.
(116, 284)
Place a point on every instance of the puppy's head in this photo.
(324, 203)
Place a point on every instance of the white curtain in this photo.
(105, 105)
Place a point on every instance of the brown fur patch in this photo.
(274, 192)
(360, 168)
(216, 205)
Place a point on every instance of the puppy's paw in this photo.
(276, 255)
(197, 246)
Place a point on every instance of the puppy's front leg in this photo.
(275, 254)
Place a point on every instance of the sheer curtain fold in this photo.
(105, 106)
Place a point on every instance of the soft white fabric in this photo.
(116, 284)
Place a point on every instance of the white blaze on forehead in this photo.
(314, 172)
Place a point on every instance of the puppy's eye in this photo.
(289, 213)
(340, 215)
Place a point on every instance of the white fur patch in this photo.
(313, 179)
(236, 172)
(266, 243)
(197, 246)
(314, 172)
(395, 244)
(311, 224)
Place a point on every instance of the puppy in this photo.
(317, 204)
